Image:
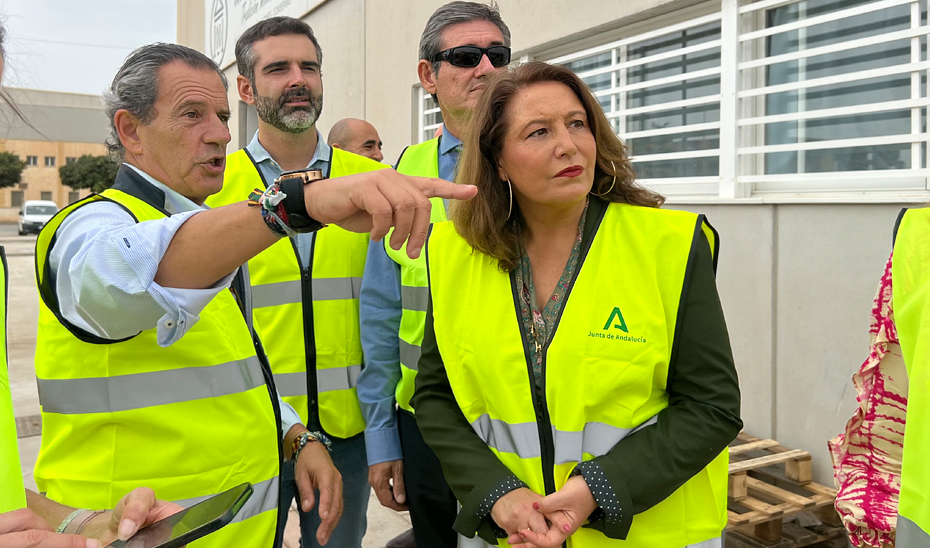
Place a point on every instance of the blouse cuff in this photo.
(608, 506)
(508, 484)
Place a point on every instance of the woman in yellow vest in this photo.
(576, 380)
(27, 518)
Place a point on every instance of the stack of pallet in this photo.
(770, 483)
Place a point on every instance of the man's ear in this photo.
(127, 127)
(427, 76)
(246, 93)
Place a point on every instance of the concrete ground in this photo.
(383, 523)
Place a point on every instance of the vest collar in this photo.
(130, 182)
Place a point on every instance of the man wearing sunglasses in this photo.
(463, 44)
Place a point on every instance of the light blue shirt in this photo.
(270, 170)
(380, 311)
(110, 261)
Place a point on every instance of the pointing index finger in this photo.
(440, 188)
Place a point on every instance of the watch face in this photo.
(306, 175)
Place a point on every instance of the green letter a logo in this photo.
(616, 314)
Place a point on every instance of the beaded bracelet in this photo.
(271, 202)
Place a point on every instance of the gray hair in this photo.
(454, 13)
(135, 86)
(273, 26)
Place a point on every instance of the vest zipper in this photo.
(306, 294)
(543, 422)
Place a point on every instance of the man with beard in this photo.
(304, 296)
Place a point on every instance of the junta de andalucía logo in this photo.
(615, 322)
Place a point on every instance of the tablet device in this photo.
(190, 524)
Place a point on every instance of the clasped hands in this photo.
(534, 521)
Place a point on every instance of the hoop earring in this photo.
(510, 192)
(614, 182)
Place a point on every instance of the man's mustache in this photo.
(296, 95)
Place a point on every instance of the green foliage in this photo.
(11, 169)
(94, 172)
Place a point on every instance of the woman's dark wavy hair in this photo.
(483, 220)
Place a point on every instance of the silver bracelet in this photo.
(69, 519)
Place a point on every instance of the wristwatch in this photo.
(304, 438)
(292, 184)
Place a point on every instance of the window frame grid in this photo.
(620, 65)
(751, 149)
(424, 99)
(742, 104)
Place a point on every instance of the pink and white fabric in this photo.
(867, 457)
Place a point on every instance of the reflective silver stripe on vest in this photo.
(276, 294)
(409, 355)
(597, 439)
(127, 392)
(522, 439)
(712, 543)
(910, 535)
(324, 289)
(333, 378)
(264, 499)
(414, 298)
(332, 289)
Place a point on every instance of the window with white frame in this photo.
(428, 115)
(661, 91)
(768, 99)
(833, 87)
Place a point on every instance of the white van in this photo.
(34, 215)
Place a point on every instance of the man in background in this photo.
(356, 136)
(462, 45)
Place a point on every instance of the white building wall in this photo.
(797, 282)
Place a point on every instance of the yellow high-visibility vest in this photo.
(190, 420)
(12, 494)
(307, 319)
(910, 282)
(421, 160)
(605, 366)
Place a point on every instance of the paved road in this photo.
(8, 229)
(383, 523)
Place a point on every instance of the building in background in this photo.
(798, 126)
(67, 126)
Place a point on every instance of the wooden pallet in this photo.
(768, 483)
(793, 535)
(751, 453)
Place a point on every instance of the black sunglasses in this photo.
(470, 56)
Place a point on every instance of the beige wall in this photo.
(191, 24)
(39, 178)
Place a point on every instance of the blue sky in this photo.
(77, 45)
